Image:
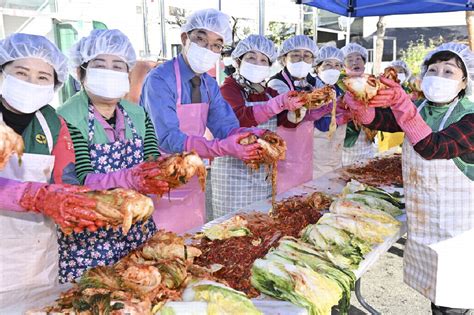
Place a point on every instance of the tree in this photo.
(279, 31)
(179, 16)
(470, 28)
(379, 44)
(240, 29)
(416, 52)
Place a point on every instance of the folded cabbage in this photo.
(220, 298)
(300, 285)
(365, 228)
(359, 209)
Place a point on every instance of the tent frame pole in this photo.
(261, 17)
(348, 29)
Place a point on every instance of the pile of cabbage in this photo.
(316, 271)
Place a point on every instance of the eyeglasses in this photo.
(296, 57)
(204, 43)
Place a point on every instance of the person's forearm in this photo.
(454, 141)
(10, 194)
(117, 179)
(384, 120)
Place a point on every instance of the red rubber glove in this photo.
(144, 178)
(65, 204)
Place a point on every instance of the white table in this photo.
(330, 184)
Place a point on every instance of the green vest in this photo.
(76, 112)
(462, 108)
(34, 135)
(352, 134)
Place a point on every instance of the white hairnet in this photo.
(466, 55)
(329, 52)
(298, 42)
(355, 48)
(402, 64)
(99, 42)
(212, 20)
(19, 45)
(255, 43)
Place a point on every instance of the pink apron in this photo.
(298, 166)
(185, 208)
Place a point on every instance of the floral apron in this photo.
(80, 251)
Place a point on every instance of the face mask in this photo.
(107, 83)
(201, 59)
(26, 97)
(402, 77)
(439, 90)
(254, 73)
(330, 76)
(227, 61)
(299, 69)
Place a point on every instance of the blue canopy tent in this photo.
(360, 8)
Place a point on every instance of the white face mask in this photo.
(26, 97)
(440, 90)
(299, 69)
(401, 77)
(330, 76)
(228, 61)
(200, 59)
(254, 73)
(107, 83)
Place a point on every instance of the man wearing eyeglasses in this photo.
(182, 100)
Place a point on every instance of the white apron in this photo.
(234, 184)
(440, 206)
(362, 151)
(327, 153)
(28, 241)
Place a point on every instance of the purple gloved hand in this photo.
(317, 114)
(141, 178)
(228, 146)
(276, 105)
(403, 109)
(360, 112)
(256, 131)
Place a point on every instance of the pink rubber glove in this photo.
(276, 105)
(141, 178)
(360, 112)
(256, 131)
(403, 109)
(228, 146)
(343, 113)
(66, 205)
(316, 114)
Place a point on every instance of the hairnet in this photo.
(401, 64)
(355, 48)
(255, 43)
(209, 19)
(19, 45)
(329, 52)
(99, 42)
(298, 42)
(463, 52)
